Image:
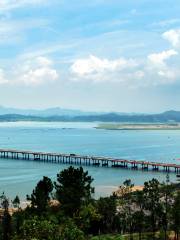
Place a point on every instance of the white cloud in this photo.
(99, 70)
(157, 69)
(173, 36)
(161, 69)
(159, 59)
(95, 65)
(37, 71)
(32, 72)
(39, 76)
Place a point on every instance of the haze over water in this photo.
(19, 177)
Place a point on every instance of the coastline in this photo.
(140, 126)
(108, 190)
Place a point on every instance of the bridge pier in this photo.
(96, 162)
(166, 168)
(145, 167)
(104, 163)
(88, 160)
(155, 168)
(134, 166)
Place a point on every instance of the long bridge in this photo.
(89, 160)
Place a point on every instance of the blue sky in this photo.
(102, 55)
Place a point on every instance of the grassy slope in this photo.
(145, 236)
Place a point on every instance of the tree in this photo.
(6, 218)
(139, 215)
(69, 231)
(126, 202)
(88, 219)
(38, 229)
(17, 220)
(138, 222)
(125, 189)
(73, 189)
(107, 209)
(6, 225)
(16, 202)
(176, 216)
(152, 202)
(166, 205)
(41, 195)
(4, 201)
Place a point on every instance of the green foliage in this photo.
(18, 220)
(6, 225)
(43, 229)
(4, 201)
(176, 215)
(88, 218)
(6, 218)
(69, 231)
(124, 190)
(141, 215)
(107, 209)
(73, 189)
(39, 229)
(41, 195)
(108, 237)
(16, 202)
(126, 201)
(152, 202)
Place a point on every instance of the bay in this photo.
(19, 177)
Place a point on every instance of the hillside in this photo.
(166, 117)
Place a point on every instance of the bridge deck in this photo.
(88, 160)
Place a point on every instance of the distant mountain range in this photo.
(67, 115)
(44, 112)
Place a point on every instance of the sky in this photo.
(98, 55)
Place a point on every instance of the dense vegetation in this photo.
(66, 210)
(166, 117)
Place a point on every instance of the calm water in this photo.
(19, 177)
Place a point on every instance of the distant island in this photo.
(70, 115)
(139, 126)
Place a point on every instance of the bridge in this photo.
(74, 159)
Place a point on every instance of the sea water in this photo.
(20, 176)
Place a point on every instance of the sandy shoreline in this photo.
(108, 190)
(140, 126)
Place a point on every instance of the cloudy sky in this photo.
(102, 55)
